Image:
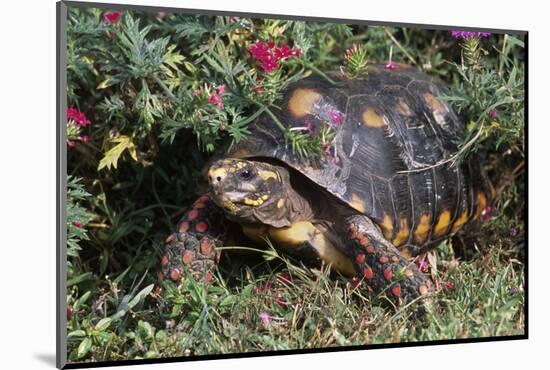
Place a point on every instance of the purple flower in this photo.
(391, 66)
(493, 114)
(469, 34)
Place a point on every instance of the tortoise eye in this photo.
(245, 174)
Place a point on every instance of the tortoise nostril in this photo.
(219, 178)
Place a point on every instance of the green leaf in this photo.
(84, 347)
(110, 160)
(80, 278)
(141, 295)
(103, 324)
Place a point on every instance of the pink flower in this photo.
(422, 263)
(112, 17)
(493, 114)
(77, 224)
(449, 286)
(258, 89)
(221, 89)
(391, 66)
(84, 138)
(215, 99)
(71, 144)
(77, 116)
(336, 117)
(197, 92)
(265, 318)
(309, 127)
(486, 214)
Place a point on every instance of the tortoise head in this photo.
(250, 191)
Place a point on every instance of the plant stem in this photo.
(400, 46)
(164, 88)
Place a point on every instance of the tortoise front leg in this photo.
(193, 248)
(380, 264)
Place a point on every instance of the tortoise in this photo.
(384, 190)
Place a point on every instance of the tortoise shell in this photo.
(390, 156)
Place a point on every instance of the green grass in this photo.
(479, 297)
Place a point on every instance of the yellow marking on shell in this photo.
(422, 230)
(266, 175)
(403, 234)
(406, 252)
(256, 233)
(265, 197)
(443, 223)
(481, 203)
(280, 203)
(302, 101)
(387, 226)
(403, 108)
(434, 103)
(240, 165)
(372, 119)
(461, 220)
(357, 203)
(297, 234)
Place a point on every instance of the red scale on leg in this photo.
(384, 259)
(367, 272)
(169, 238)
(206, 246)
(201, 227)
(360, 258)
(370, 249)
(388, 274)
(395, 259)
(363, 241)
(396, 290)
(208, 277)
(204, 198)
(184, 226)
(187, 257)
(193, 214)
(200, 205)
(175, 274)
(423, 289)
(164, 261)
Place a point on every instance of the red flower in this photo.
(77, 116)
(70, 312)
(493, 114)
(449, 286)
(270, 56)
(270, 65)
(112, 17)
